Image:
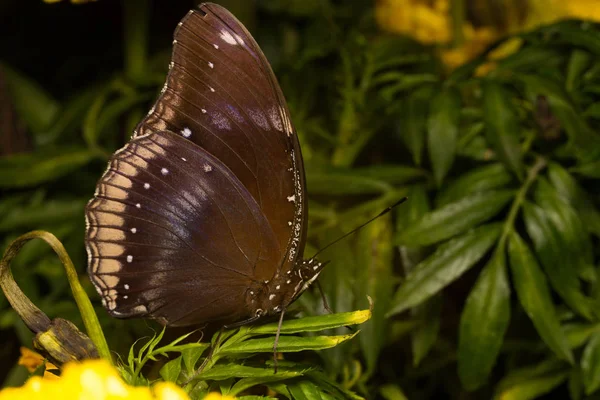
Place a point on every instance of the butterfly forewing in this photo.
(171, 223)
(222, 95)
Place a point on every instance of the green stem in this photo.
(519, 200)
(90, 320)
(135, 30)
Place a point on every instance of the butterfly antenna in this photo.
(387, 210)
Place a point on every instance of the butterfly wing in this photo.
(174, 235)
(222, 95)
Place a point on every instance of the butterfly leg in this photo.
(277, 341)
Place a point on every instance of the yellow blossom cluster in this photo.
(93, 380)
(430, 22)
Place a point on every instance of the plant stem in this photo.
(519, 199)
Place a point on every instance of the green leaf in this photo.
(312, 323)
(502, 126)
(36, 216)
(590, 364)
(569, 189)
(413, 122)
(286, 344)
(554, 254)
(442, 131)
(578, 63)
(25, 170)
(305, 390)
(480, 179)
(570, 226)
(171, 370)
(226, 371)
(483, 323)
(533, 388)
(424, 336)
(589, 169)
(452, 219)
(534, 295)
(191, 356)
(392, 392)
(36, 106)
(375, 278)
(447, 264)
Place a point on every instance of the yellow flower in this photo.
(93, 380)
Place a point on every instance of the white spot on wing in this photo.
(129, 258)
(216, 46)
(207, 168)
(164, 171)
(146, 185)
(186, 132)
(227, 37)
(211, 64)
(203, 111)
(126, 286)
(138, 205)
(291, 198)
(271, 297)
(133, 230)
(211, 89)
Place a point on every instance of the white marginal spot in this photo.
(271, 296)
(179, 24)
(203, 111)
(125, 297)
(288, 281)
(207, 168)
(216, 46)
(146, 185)
(316, 267)
(227, 37)
(186, 132)
(133, 230)
(251, 292)
(138, 205)
(291, 198)
(183, 159)
(164, 171)
(211, 64)
(211, 89)
(126, 286)
(277, 287)
(289, 223)
(174, 42)
(289, 272)
(129, 258)
(171, 64)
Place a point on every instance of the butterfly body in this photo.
(201, 217)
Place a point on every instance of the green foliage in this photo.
(488, 273)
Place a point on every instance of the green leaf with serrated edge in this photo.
(590, 364)
(442, 131)
(570, 226)
(480, 179)
(455, 218)
(447, 264)
(313, 323)
(286, 344)
(305, 390)
(171, 370)
(33, 104)
(534, 295)
(424, 336)
(392, 392)
(226, 371)
(375, 278)
(191, 356)
(569, 189)
(553, 253)
(483, 323)
(26, 170)
(502, 126)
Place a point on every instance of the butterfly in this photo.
(201, 217)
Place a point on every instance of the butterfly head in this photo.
(272, 297)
